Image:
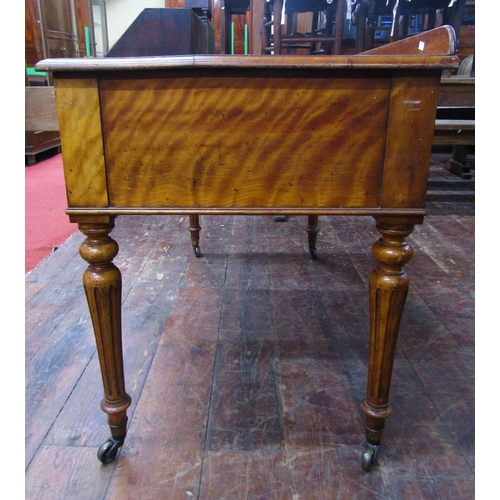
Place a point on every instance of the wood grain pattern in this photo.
(457, 91)
(278, 140)
(81, 141)
(40, 109)
(409, 140)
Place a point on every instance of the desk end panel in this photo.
(78, 108)
(410, 132)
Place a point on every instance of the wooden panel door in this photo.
(59, 22)
(33, 40)
(56, 28)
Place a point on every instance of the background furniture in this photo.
(401, 18)
(53, 28)
(40, 125)
(323, 37)
(57, 28)
(455, 119)
(367, 23)
(229, 9)
(158, 32)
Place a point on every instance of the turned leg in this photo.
(312, 233)
(388, 289)
(102, 283)
(194, 229)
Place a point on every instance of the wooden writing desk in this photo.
(343, 135)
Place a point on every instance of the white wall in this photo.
(122, 13)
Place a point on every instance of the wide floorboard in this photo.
(246, 366)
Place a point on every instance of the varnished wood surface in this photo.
(457, 91)
(80, 125)
(248, 61)
(246, 367)
(40, 111)
(281, 144)
(245, 142)
(455, 132)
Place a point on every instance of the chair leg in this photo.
(278, 4)
(339, 27)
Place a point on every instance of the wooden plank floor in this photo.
(247, 366)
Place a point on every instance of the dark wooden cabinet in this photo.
(57, 28)
(53, 28)
(60, 29)
(157, 32)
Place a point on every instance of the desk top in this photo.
(431, 49)
(248, 62)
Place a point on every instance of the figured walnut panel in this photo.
(249, 140)
(81, 141)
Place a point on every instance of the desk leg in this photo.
(102, 282)
(312, 233)
(194, 230)
(388, 289)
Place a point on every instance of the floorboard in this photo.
(246, 367)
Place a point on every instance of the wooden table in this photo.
(325, 135)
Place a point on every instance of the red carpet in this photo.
(46, 224)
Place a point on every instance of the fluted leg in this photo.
(194, 230)
(102, 283)
(312, 234)
(388, 289)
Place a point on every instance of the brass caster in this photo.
(369, 456)
(109, 450)
(197, 250)
(313, 252)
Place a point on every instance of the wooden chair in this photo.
(426, 10)
(228, 9)
(368, 14)
(326, 30)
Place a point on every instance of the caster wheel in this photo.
(314, 253)
(197, 251)
(369, 456)
(108, 450)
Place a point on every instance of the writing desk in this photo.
(340, 135)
